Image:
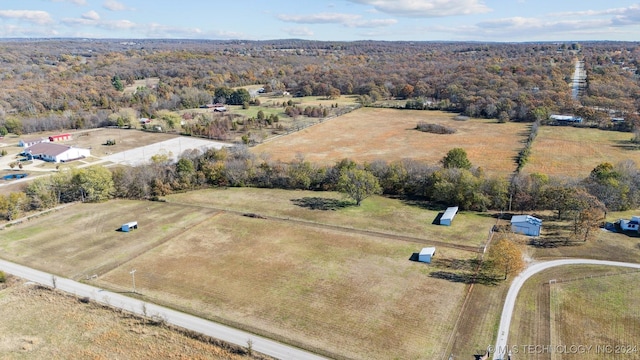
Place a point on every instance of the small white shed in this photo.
(129, 226)
(526, 224)
(426, 254)
(448, 215)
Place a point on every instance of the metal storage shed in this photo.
(426, 254)
(448, 215)
(526, 224)
(129, 226)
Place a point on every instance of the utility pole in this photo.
(133, 279)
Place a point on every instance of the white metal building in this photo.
(448, 216)
(426, 254)
(56, 152)
(526, 225)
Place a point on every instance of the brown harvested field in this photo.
(38, 323)
(346, 292)
(368, 134)
(599, 310)
(559, 150)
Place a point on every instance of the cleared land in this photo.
(559, 150)
(599, 310)
(369, 134)
(38, 323)
(349, 293)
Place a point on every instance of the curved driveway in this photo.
(509, 304)
(190, 322)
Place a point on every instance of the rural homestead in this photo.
(323, 180)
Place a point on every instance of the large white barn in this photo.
(56, 152)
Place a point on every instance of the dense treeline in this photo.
(53, 84)
(453, 182)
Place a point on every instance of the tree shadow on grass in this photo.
(627, 145)
(466, 277)
(318, 203)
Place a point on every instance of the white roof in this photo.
(428, 251)
(449, 213)
(526, 218)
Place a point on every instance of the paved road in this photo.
(507, 310)
(218, 331)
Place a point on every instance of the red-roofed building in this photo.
(60, 137)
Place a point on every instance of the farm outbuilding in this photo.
(426, 254)
(448, 216)
(630, 225)
(526, 225)
(129, 226)
(60, 137)
(30, 142)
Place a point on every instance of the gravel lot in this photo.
(172, 147)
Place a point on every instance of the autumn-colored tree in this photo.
(505, 256)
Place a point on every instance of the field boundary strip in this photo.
(474, 249)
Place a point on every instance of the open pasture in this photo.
(82, 240)
(350, 293)
(587, 305)
(377, 213)
(569, 151)
(369, 134)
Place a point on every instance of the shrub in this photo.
(3, 277)
(434, 128)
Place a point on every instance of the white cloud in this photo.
(114, 5)
(91, 15)
(77, 2)
(427, 8)
(322, 18)
(613, 11)
(298, 32)
(9, 31)
(32, 16)
(348, 20)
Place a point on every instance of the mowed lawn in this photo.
(559, 150)
(349, 294)
(81, 240)
(369, 134)
(377, 213)
(597, 311)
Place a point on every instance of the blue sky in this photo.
(339, 20)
